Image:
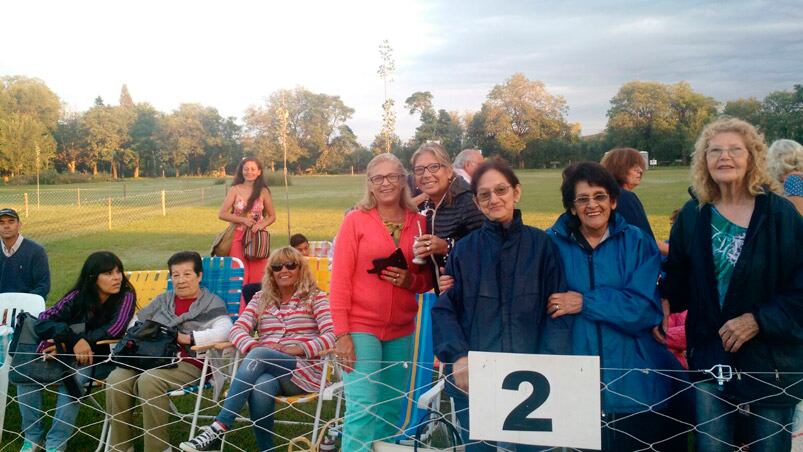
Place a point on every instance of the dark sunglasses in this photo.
(287, 265)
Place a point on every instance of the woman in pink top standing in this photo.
(249, 193)
(374, 313)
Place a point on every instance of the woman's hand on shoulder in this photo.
(564, 303)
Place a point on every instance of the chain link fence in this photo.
(52, 215)
(675, 415)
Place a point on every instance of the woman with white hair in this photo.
(785, 163)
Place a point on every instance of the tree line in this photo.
(519, 120)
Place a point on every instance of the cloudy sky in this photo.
(233, 54)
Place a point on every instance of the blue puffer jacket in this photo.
(620, 307)
(503, 279)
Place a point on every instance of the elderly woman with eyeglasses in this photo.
(449, 207)
(373, 302)
(495, 297)
(736, 263)
(612, 269)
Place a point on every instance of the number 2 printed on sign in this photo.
(517, 419)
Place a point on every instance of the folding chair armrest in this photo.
(107, 342)
(223, 345)
(425, 400)
(215, 346)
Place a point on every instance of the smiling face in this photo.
(186, 283)
(496, 198)
(433, 184)
(251, 171)
(109, 283)
(386, 192)
(727, 158)
(286, 278)
(593, 214)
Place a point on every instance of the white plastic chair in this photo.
(11, 304)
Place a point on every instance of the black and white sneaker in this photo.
(208, 440)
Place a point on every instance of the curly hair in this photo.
(618, 162)
(306, 286)
(785, 156)
(757, 177)
(368, 201)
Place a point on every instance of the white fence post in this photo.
(164, 207)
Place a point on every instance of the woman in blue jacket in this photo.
(612, 269)
(501, 277)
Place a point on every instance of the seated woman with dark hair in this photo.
(104, 301)
(202, 319)
(612, 269)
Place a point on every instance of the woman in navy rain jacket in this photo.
(501, 277)
(612, 269)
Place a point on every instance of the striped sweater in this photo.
(302, 322)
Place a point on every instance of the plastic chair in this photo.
(148, 284)
(319, 266)
(11, 304)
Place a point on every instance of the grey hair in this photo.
(462, 157)
(784, 157)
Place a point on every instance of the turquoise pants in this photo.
(375, 390)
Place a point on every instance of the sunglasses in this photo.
(287, 265)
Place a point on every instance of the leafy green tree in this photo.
(125, 98)
(31, 97)
(313, 123)
(146, 140)
(748, 109)
(70, 141)
(782, 114)
(20, 136)
(106, 132)
(520, 111)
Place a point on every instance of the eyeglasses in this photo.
(288, 265)
(393, 178)
(716, 153)
(484, 197)
(599, 198)
(432, 168)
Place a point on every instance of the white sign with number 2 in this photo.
(546, 400)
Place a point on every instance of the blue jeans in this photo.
(263, 374)
(716, 421)
(29, 400)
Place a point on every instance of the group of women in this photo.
(589, 285)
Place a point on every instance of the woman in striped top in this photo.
(103, 301)
(291, 317)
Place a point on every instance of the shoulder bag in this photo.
(147, 345)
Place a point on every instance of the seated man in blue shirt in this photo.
(23, 263)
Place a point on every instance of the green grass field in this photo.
(317, 206)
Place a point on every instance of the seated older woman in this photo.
(291, 317)
(202, 319)
(612, 269)
(736, 263)
(495, 297)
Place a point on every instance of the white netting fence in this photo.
(56, 214)
(671, 421)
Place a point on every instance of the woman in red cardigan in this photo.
(374, 313)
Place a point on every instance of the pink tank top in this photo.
(256, 209)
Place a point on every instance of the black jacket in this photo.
(767, 281)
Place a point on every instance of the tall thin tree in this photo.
(385, 72)
(282, 126)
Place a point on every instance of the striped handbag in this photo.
(256, 244)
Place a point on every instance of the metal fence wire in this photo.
(296, 421)
(58, 214)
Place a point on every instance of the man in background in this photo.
(467, 162)
(23, 264)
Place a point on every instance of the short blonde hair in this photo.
(706, 190)
(306, 286)
(368, 201)
(785, 156)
